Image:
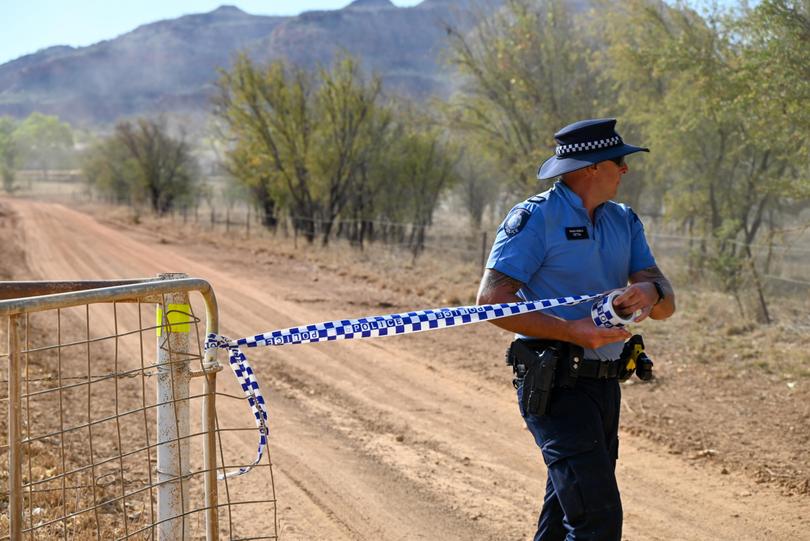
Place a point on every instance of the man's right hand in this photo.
(584, 333)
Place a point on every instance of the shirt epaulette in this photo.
(539, 198)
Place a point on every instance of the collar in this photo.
(569, 196)
(575, 201)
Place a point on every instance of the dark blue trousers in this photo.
(580, 443)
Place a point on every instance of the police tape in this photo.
(603, 314)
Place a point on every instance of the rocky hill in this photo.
(171, 65)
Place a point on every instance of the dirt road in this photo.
(384, 439)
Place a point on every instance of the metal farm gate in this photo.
(111, 417)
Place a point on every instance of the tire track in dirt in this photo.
(376, 440)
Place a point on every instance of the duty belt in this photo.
(595, 368)
(585, 368)
(573, 365)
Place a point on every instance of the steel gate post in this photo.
(209, 419)
(173, 467)
(16, 324)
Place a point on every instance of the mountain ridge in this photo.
(171, 65)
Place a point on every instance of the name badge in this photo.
(576, 233)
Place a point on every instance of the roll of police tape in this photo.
(602, 313)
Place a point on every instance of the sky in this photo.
(30, 25)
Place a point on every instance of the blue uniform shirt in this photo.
(550, 245)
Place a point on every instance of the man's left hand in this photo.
(640, 296)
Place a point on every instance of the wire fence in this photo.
(781, 263)
(786, 260)
(86, 457)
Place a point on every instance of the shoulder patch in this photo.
(515, 221)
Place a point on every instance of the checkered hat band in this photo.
(575, 148)
(389, 325)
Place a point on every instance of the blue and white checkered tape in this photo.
(602, 313)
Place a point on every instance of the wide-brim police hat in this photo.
(585, 143)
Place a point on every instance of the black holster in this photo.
(541, 365)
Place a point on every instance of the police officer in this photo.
(572, 239)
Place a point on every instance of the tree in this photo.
(725, 157)
(43, 141)
(300, 139)
(269, 115)
(477, 187)
(422, 165)
(142, 162)
(521, 84)
(108, 167)
(351, 127)
(375, 177)
(251, 170)
(8, 153)
(777, 60)
(166, 170)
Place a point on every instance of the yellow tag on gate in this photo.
(178, 318)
